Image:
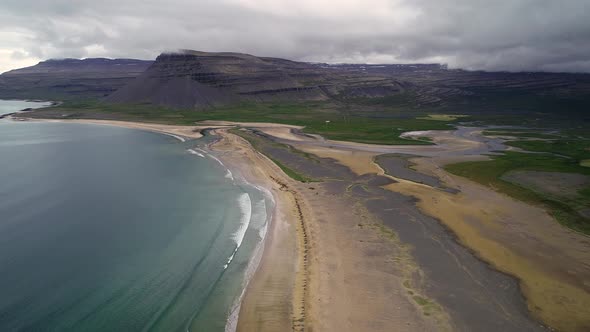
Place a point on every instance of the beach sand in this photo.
(269, 300)
(179, 131)
(551, 261)
(329, 264)
(320, 270)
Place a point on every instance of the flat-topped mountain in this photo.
(194, 80)
(70, 78)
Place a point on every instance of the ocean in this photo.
(114, 229)
(9, 106)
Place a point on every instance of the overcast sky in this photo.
(550, 35)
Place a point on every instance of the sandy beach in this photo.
(271, 295)
(549, 260)
(181, 132)
(366, 250)
(318, 263)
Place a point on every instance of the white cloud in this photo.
(9, 61)
(474, 34)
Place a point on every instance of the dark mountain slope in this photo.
(70, 78)
(194, 79)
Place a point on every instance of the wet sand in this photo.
(448, 286)
(368, 251)
(322, 269)
(400, 166)
(550, 262)
(338, 281)
(271, 295)
(179, 131)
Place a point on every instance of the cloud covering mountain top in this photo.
(516, 35)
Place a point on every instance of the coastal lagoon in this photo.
(113, 229)
(10, 106)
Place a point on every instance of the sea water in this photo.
(10, 106)
(113, 229)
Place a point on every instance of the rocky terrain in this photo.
(70, 78)
(436, 83)
(196, 80)
(192, 79)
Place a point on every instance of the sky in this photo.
(513, 35)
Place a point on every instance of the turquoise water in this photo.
(112, 229)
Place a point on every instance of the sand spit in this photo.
(181, 132)
(419, 263)
(275, 299)
(364, 250)
(551, 262)
(269, 300)
(350, 279)
(315, 273)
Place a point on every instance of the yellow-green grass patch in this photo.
(442, 117)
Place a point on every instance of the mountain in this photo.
(192, 79)
(195, 80)
(70, 78)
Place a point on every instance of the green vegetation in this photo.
(326, 119)
(442, 117)
(404, 100)
(490, 174)
(578, 149)
(519, 133)
(373, 131)
(292, 173)
(256, 142)
(565, 152)
(420, 300)
(381, 121)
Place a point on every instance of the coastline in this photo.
(279, 248)
(233, 228)
(296, 286)
(277, 297)
(500, 234)
(498, 229)
(280, 253)
(179, 132)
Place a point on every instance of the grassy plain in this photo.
(256, 142)
(490, 173)
(327, 119)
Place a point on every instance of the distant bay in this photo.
(10, 106)
(113, 229)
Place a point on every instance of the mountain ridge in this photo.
(191, 79)
(63, 79)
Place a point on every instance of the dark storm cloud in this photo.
(491, 35)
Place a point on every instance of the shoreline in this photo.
(177, 131)
(499, 234)
(279, 254)
(285, 235)
(261, 173)
(499, 230)
(256, 256)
